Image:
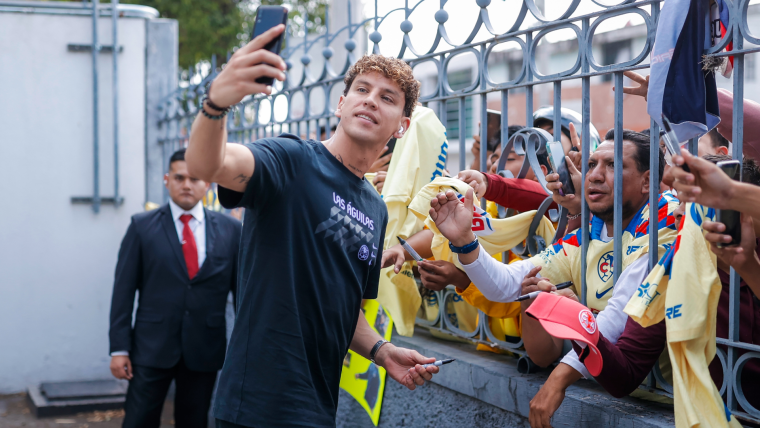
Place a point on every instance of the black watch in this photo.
(375, 349)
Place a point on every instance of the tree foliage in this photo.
(208, 27)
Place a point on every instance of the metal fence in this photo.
(255, 118)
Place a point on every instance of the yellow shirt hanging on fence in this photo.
(684, 289)
(495, 235)
(419, 157)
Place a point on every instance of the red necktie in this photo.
(189, 248)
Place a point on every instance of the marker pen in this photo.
(409, 249)
(536, 293)
(440, 363)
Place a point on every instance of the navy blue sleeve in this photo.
(277, 162)
(126, 283)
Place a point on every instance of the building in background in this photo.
(609, 47)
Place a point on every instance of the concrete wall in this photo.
(430, 405)
(57, 259)
(483, 389)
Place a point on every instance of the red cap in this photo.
(567, 319)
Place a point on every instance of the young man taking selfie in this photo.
(311, 242)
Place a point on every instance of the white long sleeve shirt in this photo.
(501, 282)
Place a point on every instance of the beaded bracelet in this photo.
(212, 117)
(213, 106)
(573, 217)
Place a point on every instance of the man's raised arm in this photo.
(209, 156)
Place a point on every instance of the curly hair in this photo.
(392, 68)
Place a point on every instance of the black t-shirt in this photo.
(310, 252)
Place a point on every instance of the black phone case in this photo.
(391, 146)
(564, 174)
(270, 17)
(731, 219)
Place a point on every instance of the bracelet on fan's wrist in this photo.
(464, 249)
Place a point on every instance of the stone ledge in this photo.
(494, 379)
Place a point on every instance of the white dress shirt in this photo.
(197, 226)
(501, 282)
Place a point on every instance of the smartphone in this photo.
(557, 161)
(672, 144)
(731, 218)
(493, 132)
(391, 146)
(268, 17)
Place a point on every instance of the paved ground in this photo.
(14, 412)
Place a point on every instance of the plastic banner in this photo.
(359, 377)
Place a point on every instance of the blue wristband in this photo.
(465, 249)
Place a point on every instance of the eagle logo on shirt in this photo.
(363, 253)
(604, 267)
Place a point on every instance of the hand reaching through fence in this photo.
(573, 159)
(640, 90)
(741, 257)
(705, 184)
(476, 179)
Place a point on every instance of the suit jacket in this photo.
(176, 317)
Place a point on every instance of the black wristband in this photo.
(376, 348)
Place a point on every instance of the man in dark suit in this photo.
(183, 260)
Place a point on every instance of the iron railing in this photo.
(179, 108)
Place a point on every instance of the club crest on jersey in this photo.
(363, 253)
(587, 320)
(604, 267)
